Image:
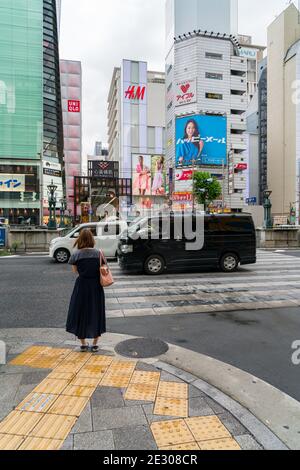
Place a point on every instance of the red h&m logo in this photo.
(74, 106)
(135, 93)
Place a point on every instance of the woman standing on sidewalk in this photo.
(86, 318)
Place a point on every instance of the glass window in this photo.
(151, 137)
(135, 114)
(213, 96)
(135, 72)
(212, 55)
(214, 76)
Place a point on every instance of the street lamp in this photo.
(63, 209)
(268, 223)
(52, 225)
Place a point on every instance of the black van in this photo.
(155, 244)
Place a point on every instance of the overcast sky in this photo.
(101, 33)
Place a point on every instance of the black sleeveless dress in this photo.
(86, 317)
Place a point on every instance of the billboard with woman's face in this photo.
(149, 175)
(201, 140)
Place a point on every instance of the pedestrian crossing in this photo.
(274, 282)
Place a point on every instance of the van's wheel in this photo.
(229, 263)
(62, 256)
(154, 265)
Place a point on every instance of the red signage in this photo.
(74, 106)
(241, 167)
(135, 93)
(184, 175)
(186, 92)
(182, 197)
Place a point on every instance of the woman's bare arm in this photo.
(74, 269)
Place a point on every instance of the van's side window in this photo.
(229, 224)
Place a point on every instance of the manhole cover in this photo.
(142, 348)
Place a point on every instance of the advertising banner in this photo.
(182, 197)
(186, 92)
(103, 169)
(149, 175)
(201, 140)
(12, 183)
(52, 172)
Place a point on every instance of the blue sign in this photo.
(2, 237)
(201, 140)
(251, 200)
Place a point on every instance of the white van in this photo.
(106, 235)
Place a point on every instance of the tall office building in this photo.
(136, 128)
(206, 91)
(71, 90)
(31, 135)
(284, 113)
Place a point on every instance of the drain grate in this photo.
(142, 348)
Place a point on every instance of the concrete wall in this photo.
(32, 240)
(257, 213)
(278, 238)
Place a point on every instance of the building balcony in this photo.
(238, 83)
(238, 141)
(238, 102)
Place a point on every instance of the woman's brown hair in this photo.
(85, 240)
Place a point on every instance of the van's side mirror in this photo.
(76, 235)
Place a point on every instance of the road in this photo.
(229, 317)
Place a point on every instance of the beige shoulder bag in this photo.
(106, 278)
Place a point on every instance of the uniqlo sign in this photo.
(74, 106)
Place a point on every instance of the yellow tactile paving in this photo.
(92, 372)
(100, 361)
(147, 378)
(61, 375)
(68, 367)
(189, 446)
(51, 386)
(41, 357)
(45, 418)
(85, 382)
(78, 391)
(117, 381)
(171, 433)
(69, 406)
(20, 423)
(8, 442)
(220, 444)
(37, 403)
(207, 428)
(141, 392)
(171, 407)
(40, 444)
(121, 365)
(54, 427)
(78, 357)
(173, 390)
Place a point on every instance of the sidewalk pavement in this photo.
(54, 397)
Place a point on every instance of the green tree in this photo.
(206, 188)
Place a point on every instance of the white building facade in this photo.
(136, 123)
(210, 65)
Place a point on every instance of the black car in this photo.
(183, 242)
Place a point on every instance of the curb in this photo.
(245, 396)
